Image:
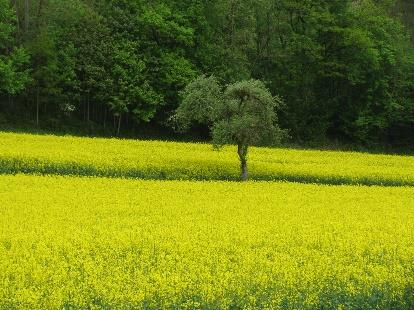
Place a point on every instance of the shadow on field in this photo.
(36, 166)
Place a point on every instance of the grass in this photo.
(70, 242)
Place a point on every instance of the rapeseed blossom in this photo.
(23, 153)
(71, 242)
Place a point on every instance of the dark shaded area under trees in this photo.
(344, 68)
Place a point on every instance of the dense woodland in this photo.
(344, 68)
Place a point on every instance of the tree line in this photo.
(343, 69)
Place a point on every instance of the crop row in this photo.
(71, 242)
(21, 153)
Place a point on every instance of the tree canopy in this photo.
(243, 114)
(344, 68)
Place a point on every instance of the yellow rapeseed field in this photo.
(93, 243)
(171, 160)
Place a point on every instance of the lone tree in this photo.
(242, 114)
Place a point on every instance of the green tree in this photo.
(242, 114)
(159, 40)
(56, 87)
(344, 67)
(13, 59)
(233, 38)
(131, 92)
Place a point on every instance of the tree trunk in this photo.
(244, 174)
(83, 108)
(39, 14)
(17, 19)
(88, 108)
(37, 107)
(26, 15)
(119, 124)
(104, 118)
(242, 151)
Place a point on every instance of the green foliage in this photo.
(7, 24)
(244, 114)
(344, 68)
(130, 91)
(14, 75)
(337, 64)
(200, 98)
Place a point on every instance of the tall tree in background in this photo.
(339, 66)
(404, 9)
(13, 59)
(55, 87)
(26, 15)
(234, 36)
(131, 92)
(149, 51)
(343, 67)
